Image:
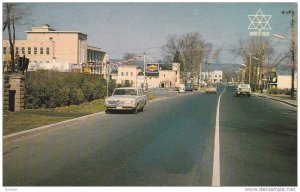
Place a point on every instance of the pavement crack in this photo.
(10, 150)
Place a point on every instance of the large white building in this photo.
(215, 76)
(285, 81)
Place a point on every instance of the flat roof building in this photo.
(50, 49)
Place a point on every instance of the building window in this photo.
(131, 73)
(126, 73)
(35, 51)
(17, 50)
(4, 50)
(29, 50)
(122, 74)
(47, 61)
(47, 50)
(23, 50)
(41, 50)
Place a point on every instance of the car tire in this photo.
(249, 95)
(136, 110)
(107, 111)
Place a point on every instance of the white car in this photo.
(211, 88)
(126, 98)
(243, 89)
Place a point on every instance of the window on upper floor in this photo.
(29, 50)
(23, 50)
(126, 73)
(122, 73)
(41, 50)
(131, 73)
(17, 50)
(47, 50)
(35, 50)
(4, 50)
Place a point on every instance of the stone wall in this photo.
(14, 83)
(6, 87)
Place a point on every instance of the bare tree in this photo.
(13, 14)
(189, 49)
(129, 57)
(255, 51)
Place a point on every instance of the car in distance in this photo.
(211, 88)
(243, 89)
(126, 99)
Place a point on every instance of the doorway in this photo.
(12, 95)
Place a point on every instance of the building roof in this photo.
(94, 48)
(129, 66)
(46, 29)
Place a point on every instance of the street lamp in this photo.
(250, 64)
(280, 37)
(243, 68)
(292, 61)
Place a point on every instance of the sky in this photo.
(119, 28)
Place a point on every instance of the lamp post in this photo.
(244, 72)
(250, 65)
(292, 60)
(107, 77)
(145, 81)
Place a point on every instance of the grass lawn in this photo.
(31, 118)
(14, 122)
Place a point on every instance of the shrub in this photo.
(275, 90)
(55, 89)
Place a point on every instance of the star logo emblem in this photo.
(259, 21)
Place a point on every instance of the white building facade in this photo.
(215, 76)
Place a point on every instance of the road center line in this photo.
(216, 163)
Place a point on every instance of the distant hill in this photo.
(218, 66)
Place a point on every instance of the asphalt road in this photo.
(171, 143)
(258, 142)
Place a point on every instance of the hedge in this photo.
(275, 90)
(49, 89)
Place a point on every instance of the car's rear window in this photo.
(244, 86)
(125, 92)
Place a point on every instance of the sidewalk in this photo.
(281, 98)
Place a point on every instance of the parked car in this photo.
(243, 89)
(211, 88)
(189, 87)
(181, 88)
(126, 98)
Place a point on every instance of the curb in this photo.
(279, 100)
(43, 128)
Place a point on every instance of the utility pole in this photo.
(292, 50)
